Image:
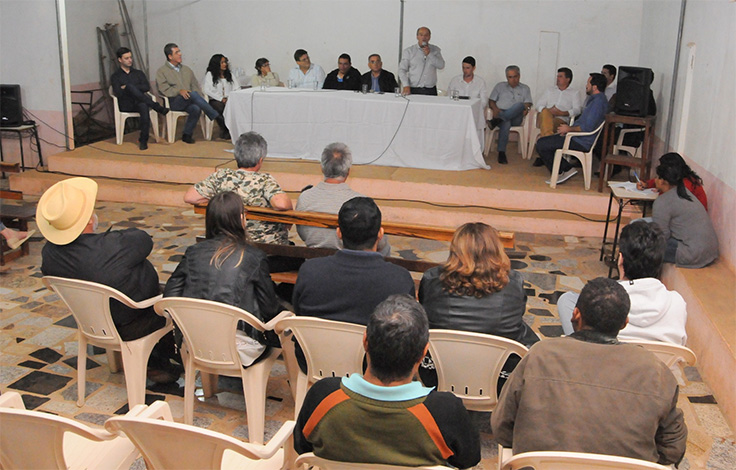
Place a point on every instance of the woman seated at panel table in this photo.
(691, 239)
(692, 181)
(476, 290)
(218, 84)
(264, 75)
(226, 268)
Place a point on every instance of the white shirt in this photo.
(221, 90)
(610, 90)
(565, 100)
(475, 89)
(419, 71)
(306, 80)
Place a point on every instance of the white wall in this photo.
(84, 17)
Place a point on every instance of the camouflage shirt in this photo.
(256, 189)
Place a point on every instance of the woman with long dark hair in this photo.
(692, 181)
(226, 268)
(264, 74)
(218, 84)
(691, 239)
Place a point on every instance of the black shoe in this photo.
(493, 123)
(502, 158)
(142, 145)
(538, 162)
(160, 109)
(186, 138)
(225, 134)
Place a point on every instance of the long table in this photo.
(429, 132)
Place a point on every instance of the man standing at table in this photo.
(378, 80)
(344, 77)
(510, 101)
(419, 65)
(468, 85)
(178, 83)
(306, 74)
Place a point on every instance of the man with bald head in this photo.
(419, 65)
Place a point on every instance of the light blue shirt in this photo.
(410, 391)
(307, 80)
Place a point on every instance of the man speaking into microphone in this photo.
(419, 65)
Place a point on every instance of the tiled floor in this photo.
(39, 349)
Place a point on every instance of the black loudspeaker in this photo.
(632, 91)
(11, 108)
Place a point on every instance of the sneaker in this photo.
(502, 158)
(564, 176)
(143, 145)
(538, 162)
(186, 138)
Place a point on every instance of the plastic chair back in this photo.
(468, 365)
(312, 460)
(670, 354)
(577, 461)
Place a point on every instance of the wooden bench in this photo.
(16, 217)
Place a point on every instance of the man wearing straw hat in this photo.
(116, 258)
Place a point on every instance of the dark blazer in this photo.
(137, 78)
(351, 80)
(386, 81)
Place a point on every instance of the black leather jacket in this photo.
(246, 285)
(499, 314)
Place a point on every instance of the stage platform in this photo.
(510, 197)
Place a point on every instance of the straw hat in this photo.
(65, 209)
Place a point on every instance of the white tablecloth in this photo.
(382, 129)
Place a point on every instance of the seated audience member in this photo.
(348, 285)
(692, 181)
(609, 71)
(344, 77)
(467, 84)
(476, 290)
(510, 101)
(656, 314)
(378, 79)
(328, 196)
(15, 238)
(177, 82)
(306, 74)
(593, 115)
(588, 392)
(253, 186)
(116, 258)
(558, 104)
(383, 417)
(691, 239)
(218, 84)
(225, 268)
(264, 75)
(130, 86)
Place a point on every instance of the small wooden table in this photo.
(623, 197)
(644, 163)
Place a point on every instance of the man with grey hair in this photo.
(328, 196)
(510, 101)
(255, 187)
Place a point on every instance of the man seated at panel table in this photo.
(382, 416)
(256, 188)
(344, 77)
(328, 196)
(306, 74)
(593, 115)
(378, 79)
(588, 392)
(510, 101)
(467, 84)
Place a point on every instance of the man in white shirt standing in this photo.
(419, 65)
(609, 71)
(510, 101)
(557, 105)
(468, 85)
(306, 74)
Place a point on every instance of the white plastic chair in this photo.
(469, 364)
(670, 354)
(577, 461)
(209, 126)
(331, 349)
(209, 346)
(89, 303)
(173, 116)
(312, 460)
(121, 117)
(586, 158)
(520, 129)
(534, 132)
(33, 439)
(633, 151)
(165, 444)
